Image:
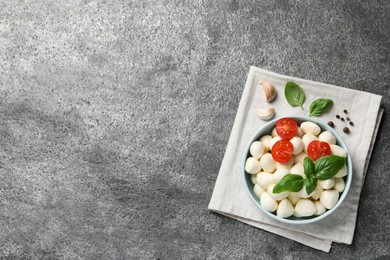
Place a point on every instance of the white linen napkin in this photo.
(229, 196)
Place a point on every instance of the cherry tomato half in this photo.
(317, 149)
(286, 128)
(282, 151)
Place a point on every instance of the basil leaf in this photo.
(290, 182)
(308, 167)
(294, 94)
(310, 184)
(320, 106)
(328, 166)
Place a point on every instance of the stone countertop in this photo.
(115, 116)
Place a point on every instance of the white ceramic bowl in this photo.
(266, 130)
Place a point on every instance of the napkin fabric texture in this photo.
(230, 197)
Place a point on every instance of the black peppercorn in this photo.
(342, 119)
(345, 111)
(346, 130)
(331, 124)
(351, 123)
(337, 116)
(347, 118)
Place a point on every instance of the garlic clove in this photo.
(265, 114)
(269, 90)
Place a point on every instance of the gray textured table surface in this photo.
(115, 116)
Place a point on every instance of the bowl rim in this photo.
(324, 127)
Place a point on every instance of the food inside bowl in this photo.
(297, 170)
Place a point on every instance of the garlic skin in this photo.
(265, 140)
(327, 136)
(264, 179)
(268, 163)
(268, 203)
(320, 208)
(265, 113)
(258, 190)
(257, 149)
(285, 209)
(305, 208)
(310, 128)
(269, 91)
(252, 166)
(337, 150)
(329, 198)
(276, 196)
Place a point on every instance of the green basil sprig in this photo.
(290, 182)
(294, 94)
(320, 106)
(324, 168)
(328, 166)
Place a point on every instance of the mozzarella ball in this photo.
(285, 209)
(343, 172)
(297, 169)
(294, 197)
(339, 184)
(326, 184)
(299, 132)
(264, 179)
(257, 149)
(327, 136)
(303, 194)
(316, 194)
(274, 133)
(320, 208)
(268, 163)
(296, 214)
(310, 128)
(273, 141)
(253, 178)
(337, 150)
(279, 174)
(307, 139)
(258, 190)
(329, 198)
(297, 144)
(286, 165)
(305, 208)
(276, 196)
(298, 158)
(265, 140)
(252, 165)
(268, 203)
